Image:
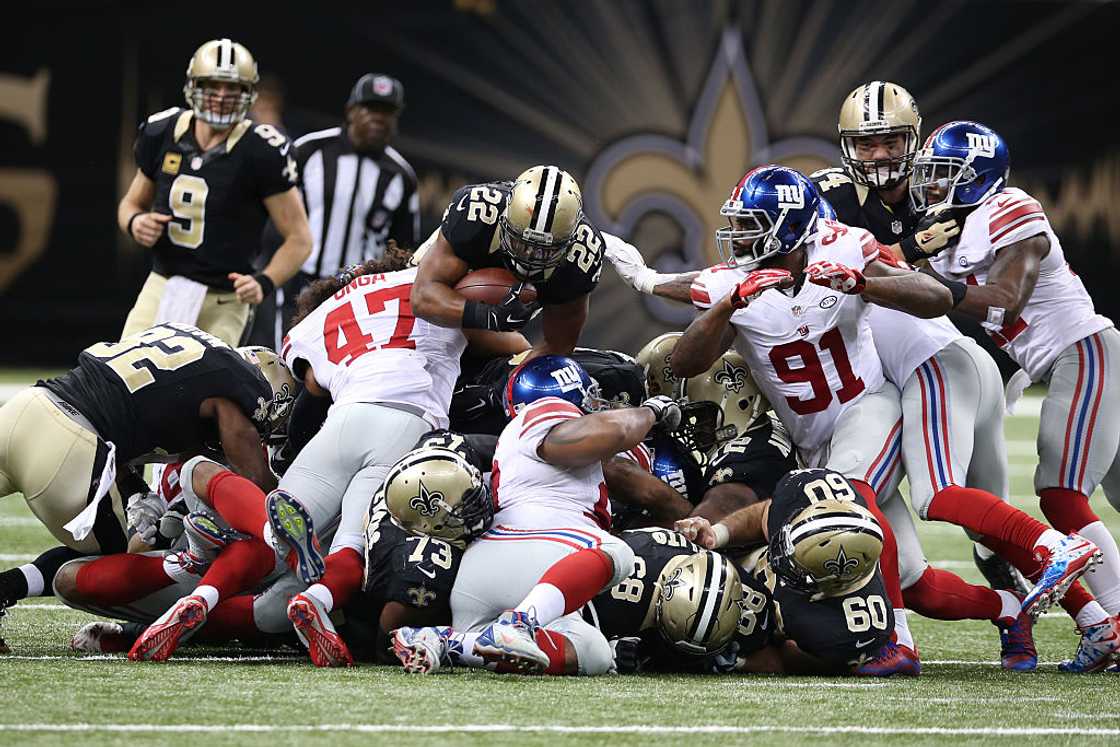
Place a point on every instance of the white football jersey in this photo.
(811, 354)
(530, 493)
(1059, 311)
(365, 345)
(905, 342)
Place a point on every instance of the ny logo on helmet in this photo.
(980, 144)
(733, 378)
(427, 502)
(841, 564)
(568, 378)
(791, 195)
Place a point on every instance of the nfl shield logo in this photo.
(382, 85)
(896, 226)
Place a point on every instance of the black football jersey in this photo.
(144, 392)
(470, 225)
(758, 458)
(215, 196)
(840, 630)
(856, 205)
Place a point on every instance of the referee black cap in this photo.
(376, 88)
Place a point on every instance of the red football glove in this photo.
(836, 276)
(755, 282)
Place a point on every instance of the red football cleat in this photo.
(313, 626)
(175, 626)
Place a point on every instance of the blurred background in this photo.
(656, 106)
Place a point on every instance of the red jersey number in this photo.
(343, 336)
(812, 372)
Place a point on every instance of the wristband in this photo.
(128, 227)
(957, 289)
(476, 315)
(267, 286)
(722, 534)
(910, 250)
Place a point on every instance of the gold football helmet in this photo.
(435, 491)
(283, 384)
(827, 549)
(221, 60)
(720, 403)
(879, 108)
(654, 359)
(539, 222)
(699, 600)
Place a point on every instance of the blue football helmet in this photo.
(825, 211)
(552, 376)
(961, 164)
(772, 210)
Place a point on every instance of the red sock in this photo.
(888, 560)
(119, 579)
(1075, 598)
(946, 596)
(1066, 510)
(983, 513)
(240, 502)
(239, 566)
(580, 576)
(343, 575)
(232, 619)
(558, 648)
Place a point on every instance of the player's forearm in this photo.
(289, 257)
(914, 293)
(676, 287)
(438, 303)
(630, 484)
(596, 437)
(127, 208)
(992, 303)
(703, 341)
(747, 525)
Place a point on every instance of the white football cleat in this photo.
(511, 640)
(421, 650)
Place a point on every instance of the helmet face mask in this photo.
(961, 165)
(880, 173)
(531, 255)
(221, 61)
(936, 179)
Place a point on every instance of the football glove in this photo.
(509, 315)
(836, 276)
(144, 513)
(630, 264)
(937, 231)
(751, 286)
(627, 654)
(666, 411)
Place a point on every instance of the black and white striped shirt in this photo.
(355, 202)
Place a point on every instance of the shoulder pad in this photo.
(158, 123)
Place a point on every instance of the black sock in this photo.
(13, 587)
(48, 564)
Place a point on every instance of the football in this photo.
(491, 285)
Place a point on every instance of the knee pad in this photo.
(186, 483)
(622, 557)
(270, 607)
(593, 652)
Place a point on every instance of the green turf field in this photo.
(52, 695)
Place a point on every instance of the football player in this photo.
(533, 226)
(206, 181)
(1009, 272)
(549, 543)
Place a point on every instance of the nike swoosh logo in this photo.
(859, 644)
(222, 301)
(512, 319)
(426, 572)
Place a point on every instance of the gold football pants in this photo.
(222, 315)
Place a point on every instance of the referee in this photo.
(359, 191)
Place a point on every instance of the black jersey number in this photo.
(188, 203)
(160, 346)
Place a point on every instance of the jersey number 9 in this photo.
(188, 203)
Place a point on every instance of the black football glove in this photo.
(666, 411)
(511, 314)
(936, 232)
(627, 654)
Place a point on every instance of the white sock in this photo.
(34, 578)
(209, 594)
(1090, 614)
(175, 570)
(546, 600)
(1104, 579)
(322, 595)
(902, 629)
(1011, 606)
(983, 551)
(1049, 539)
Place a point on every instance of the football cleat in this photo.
(173, 627)
(511, 640)
(205, 539)
(102, 638)
(1069, 560)
(1016, 644)
(1000, 574)
(4, 647)
(893, 659)
(313, 625)
(422, 650)
(1099, 647)
(292, 527)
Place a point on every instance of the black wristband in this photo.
(476, 315)
(128, 228)
(957, 289)
(267, 286)
(910, 250)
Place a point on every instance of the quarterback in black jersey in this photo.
(533, 226)
(206, 181)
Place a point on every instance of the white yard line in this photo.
(16, 557)
(563, 729)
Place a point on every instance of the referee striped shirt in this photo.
(355, 201)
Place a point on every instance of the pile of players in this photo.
(443, 493)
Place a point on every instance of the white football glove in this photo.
(666, 411)
(144, 513)
(630, 264)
